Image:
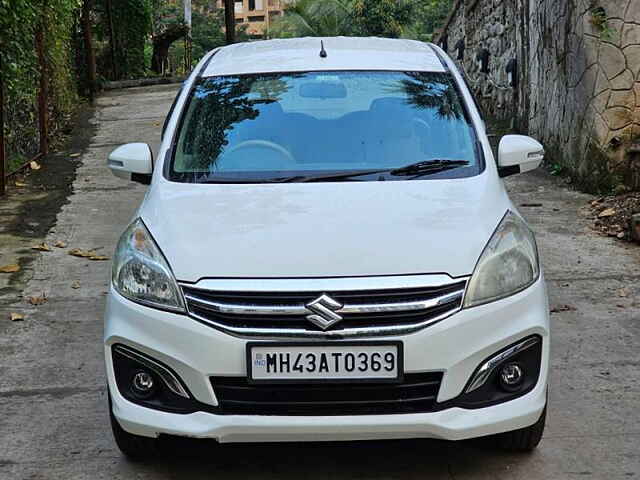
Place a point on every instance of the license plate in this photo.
(318, 362)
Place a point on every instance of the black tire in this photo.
(524, 439)
(134, 447)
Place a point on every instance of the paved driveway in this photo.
(53, 417)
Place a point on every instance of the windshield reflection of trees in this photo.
(221, 103)
(430, 91)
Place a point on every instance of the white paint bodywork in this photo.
(304, 230)
(303, 55)
(521, 151)
(455, 346)
(342, 232)
(131, 158)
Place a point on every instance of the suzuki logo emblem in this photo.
(324, 310)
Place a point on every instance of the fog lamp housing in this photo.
(148, 382)
(508, 374)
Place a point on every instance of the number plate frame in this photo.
(397, 379)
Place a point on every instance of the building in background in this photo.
(257, 14)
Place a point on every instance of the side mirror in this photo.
(518, 154)
(133, 161)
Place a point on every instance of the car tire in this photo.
(524, 439)
(134, 447)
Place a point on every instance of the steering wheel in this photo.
(421, 123)
(262, 144)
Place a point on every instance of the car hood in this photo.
(324, 229)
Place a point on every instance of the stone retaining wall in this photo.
(577, 86)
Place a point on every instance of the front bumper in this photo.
(455, 346)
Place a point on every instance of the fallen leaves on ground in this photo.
(34, 165)
(78, 252)
(563, 308)
(37, 300)
(10, 268)
(16, 317)
(43, 247)
(90, 254)
(623, 292)
(75, 285)
(60, 244)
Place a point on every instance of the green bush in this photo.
(20, 72)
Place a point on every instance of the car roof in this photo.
(343, 53)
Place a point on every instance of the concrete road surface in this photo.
(53, 415)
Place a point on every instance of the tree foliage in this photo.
(428, 16)
(384, 18)
(123, 35)
(20, 71)
(207, 29)
(125, 26)
(317, 18)
(162, 42)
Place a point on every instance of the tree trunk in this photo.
(88, 47)
(112, 41)
(161, 44)
(230, 21)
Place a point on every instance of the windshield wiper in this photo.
(331, 176)
(418, 169)
(429, 166)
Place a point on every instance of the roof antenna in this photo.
(323, 52)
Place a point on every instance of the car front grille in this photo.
(416, 394)
(362, 312)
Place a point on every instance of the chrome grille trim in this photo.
(238, 309)
(283, 301)
(284, 285)
(296, 333)
(248, 309)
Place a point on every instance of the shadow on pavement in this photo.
(372, 459)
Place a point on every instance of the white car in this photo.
(326, 252)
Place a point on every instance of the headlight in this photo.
(141, 273)
(508, 264)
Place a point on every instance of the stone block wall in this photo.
(577, 85)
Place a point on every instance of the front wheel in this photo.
(524, 439)
(135, 447)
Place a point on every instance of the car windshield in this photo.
(324, 125)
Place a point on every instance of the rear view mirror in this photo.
(323, 90)
(133, 161)
(519, 154)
